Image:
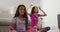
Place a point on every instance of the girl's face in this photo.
(35, 10)
(21, 10)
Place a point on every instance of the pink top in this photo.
(34, 19)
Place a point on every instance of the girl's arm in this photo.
(43, 12)
(28, 8)
(12, 26)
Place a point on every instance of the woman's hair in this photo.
(32, 11)
(25, 14)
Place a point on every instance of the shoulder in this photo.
(38, 14)
(14, 20)
(31, 14)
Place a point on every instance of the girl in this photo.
(34, 15)
(20, 20)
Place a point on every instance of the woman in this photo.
(20, 20)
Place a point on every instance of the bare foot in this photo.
(42, 30)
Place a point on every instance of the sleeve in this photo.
(38, 14)
(31, 15)
(13, 20)
(13, 24)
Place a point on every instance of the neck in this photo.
(35, 13)
(20, 16)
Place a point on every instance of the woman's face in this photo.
(35, 9)
(21, 10)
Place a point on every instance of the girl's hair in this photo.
(32, 11)
(25, 15)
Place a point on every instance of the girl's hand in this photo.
(11, 27)
(36, 27)
(31, 5)
(39, 7)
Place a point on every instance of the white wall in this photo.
(52, 8)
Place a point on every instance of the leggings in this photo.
(46, 29)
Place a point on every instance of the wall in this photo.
(52, 8)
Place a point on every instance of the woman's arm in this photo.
(43, 12)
